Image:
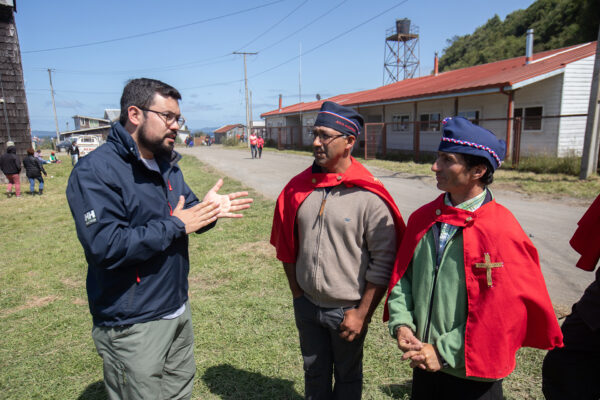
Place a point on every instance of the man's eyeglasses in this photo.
(168, 117)
(323, 137)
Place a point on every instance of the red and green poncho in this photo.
(509, 307)
(283, 232)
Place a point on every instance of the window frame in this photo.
(430, 126)
(524, 122)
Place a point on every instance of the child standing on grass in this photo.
(34, 169)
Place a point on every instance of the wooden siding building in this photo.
(14, 116)
(550, 94)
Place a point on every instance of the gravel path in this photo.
(549, 223)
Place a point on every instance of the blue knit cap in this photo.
(343, 119)
(462, 136)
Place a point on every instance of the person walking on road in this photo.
(253, 142)
(336, 230)
(34, 169)
(467, 290)
(260, 143)
(133, 213)
(11, 167)
(74, 152)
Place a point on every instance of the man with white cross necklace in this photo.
(467, 290)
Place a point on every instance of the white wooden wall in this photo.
(575, 100)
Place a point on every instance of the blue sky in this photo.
(189, 44)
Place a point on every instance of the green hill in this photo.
(556, 23)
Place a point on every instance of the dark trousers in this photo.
(439, 385)
(572, 372)
(260, 152)
(326, 354)
(253, 150)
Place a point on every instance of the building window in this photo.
(400, 123)
(430, 122)
(531, 117)
(472, 116)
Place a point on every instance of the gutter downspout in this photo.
(509, 120)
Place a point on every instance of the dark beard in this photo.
(155, 146)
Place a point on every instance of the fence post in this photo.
(416, 140)
(516, 156)
(384, 140)
(589, 157)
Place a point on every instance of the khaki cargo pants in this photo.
(151, 360)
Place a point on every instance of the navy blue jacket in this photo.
(137, 253)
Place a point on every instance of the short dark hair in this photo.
(473, 161)
(140, 93)
(30, 151)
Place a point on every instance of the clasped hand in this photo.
(352, 325)
(213, 206)
(421, 355)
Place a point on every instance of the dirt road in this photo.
(549, 223)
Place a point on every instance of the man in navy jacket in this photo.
(133, 212)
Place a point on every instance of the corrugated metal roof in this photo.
(227, 128)
(499, 74)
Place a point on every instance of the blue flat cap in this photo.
(462, 136)
(343, 119)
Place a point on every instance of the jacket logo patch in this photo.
(90, 218)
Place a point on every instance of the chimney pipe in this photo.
(435, 64)
(529, 46)
(280, 100)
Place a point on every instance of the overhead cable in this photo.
(154, 32)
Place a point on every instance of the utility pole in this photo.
(589, 158)
(53, 105)
(4, 107)
(246, 84)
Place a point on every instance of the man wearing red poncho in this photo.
(336, 230)
(467, 290)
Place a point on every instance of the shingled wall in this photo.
(13, 85)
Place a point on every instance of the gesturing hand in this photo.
(227, 202)
(196, 217)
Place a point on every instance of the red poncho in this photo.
(516, 310)
(283, 233)
(586, 240)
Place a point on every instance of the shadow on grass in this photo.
(231, 383)
(95, 391)
(398, 391)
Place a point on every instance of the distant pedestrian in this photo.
(53, 158)
(260, 143)
(38, 155)
(74, 152)
(11, 166)
(253, 142)
(34, 170)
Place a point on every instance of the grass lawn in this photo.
(246, 339)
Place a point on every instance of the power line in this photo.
(273, 26)
(137, 35)
(191, 64)
(330, 40)
(304, 27)
(306, 52)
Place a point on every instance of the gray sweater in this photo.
(346, 238)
